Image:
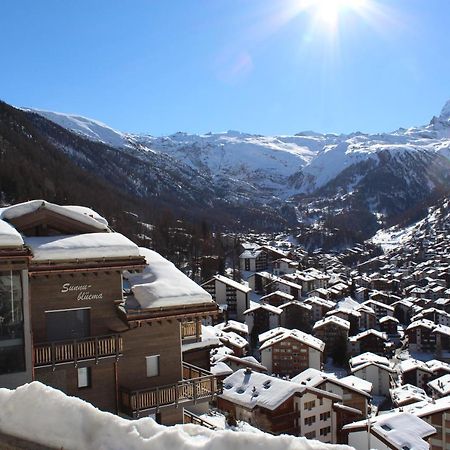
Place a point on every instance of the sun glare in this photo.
(330, 11)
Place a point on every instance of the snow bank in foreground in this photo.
(42, 414)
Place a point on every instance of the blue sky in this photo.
(261, 66)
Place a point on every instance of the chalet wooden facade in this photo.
(103, 323)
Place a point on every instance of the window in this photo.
(84, 377)
(325, 415)
(152, 364)
(325, 431)
(310, 405)
(12, 351)
(310, 435)
(310, 420)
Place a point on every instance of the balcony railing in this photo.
(63, 352)
(197, 384)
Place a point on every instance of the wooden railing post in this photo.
(194, 391)
(53, 356)
(75, 355)
(96, 344)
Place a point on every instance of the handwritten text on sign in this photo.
(83, 291)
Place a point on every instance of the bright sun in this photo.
(329, 11)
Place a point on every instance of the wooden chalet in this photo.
(105, 317)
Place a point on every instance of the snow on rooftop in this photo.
(9, 236)
(441, 384)
(271, 333)
(78, 213)
(332, 319)
(221, 369)
(232, 283)
(48, 417)
(81, 246)
(249, 389)
(402, 429)
(232, 325)
(298, 335)
(366, 357)
(358, 383)
(407, 393)
(161, 285)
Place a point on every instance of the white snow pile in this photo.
(161, 284)
(81, 246)
(78, 213)
(9, 236)
(45, 415)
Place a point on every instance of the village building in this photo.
(437, 414)
(389, 325)
(291, 352)
(260, 318)
(320, 307)
(415, 372)
(279, 406)
(355, 393)
(284, 266)
(407, 394)
(373, 341)
(333, 331)
(440, 387)
(277, 298)
(296, 315)
(105, 316)
(375, 369)
(392, 431)
(232, 295)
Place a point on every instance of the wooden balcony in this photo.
(197, 384)
(71, 352)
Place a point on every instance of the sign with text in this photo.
(83, 291)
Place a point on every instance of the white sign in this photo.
(83, 291)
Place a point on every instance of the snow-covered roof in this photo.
(266, 306)
(332, 320)
(250, 389)
(366, 357)
(313, 377)
(366, 333)
(279, 294)
(271, 333)
(161, 285)
(421, 323)
(232, 325)
(81, 246)
(78, 213)
(403, 430)
(299, 336)
(407, 393)
(388, 319)
(56, 420)
(441, 385)
(221, 369)
(232, 283)
(9, 236)
(358, 383)
(413, 364)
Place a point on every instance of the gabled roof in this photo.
(299, 336)
(251, 389)
(402, 430)
(29, 214)
(229, 282)
(265, 306)
(332, 320)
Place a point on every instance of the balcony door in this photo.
(68, 324)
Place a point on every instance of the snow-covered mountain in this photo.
(384, 174)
